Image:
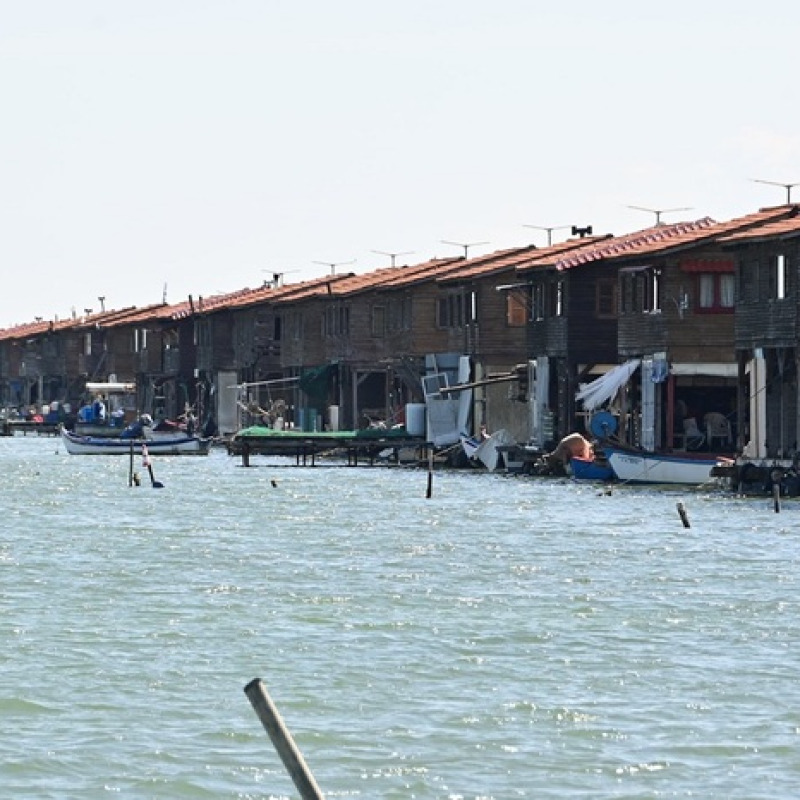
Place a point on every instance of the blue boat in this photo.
(590, 469)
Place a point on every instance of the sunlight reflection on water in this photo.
(508, 637)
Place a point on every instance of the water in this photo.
(506, 638)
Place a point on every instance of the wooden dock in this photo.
(25, 426)
(355, 447)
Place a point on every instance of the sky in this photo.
(172, 148)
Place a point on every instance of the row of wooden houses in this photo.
(651, 328)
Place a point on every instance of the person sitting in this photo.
(99, 409)
(136, 430)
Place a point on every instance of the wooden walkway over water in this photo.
(357, 447)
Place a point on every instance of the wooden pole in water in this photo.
(684, 516)
(130, 467)
(282, 740)
(429, 492)
(776, 494)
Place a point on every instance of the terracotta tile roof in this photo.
(779, 221)
(397, 277)
(638, 242)
(781, 229)
(661, 239)
(38, 327)
(501, 260)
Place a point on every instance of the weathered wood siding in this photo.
(762, 319)
(678, 326)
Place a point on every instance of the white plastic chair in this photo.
(718, 428)
(692, 435)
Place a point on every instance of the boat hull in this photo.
(177, 445)
(588, 469)
(644, 467)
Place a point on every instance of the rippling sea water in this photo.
(509, 637)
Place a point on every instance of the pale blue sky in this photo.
(205, 145)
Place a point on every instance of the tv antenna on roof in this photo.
(549, 230)
(334, 264)
(787, 186)
(393, 256)
(659, 212)
(277, 277)
(464, 245)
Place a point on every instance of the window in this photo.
(606, 298)
(537, 302)
(139, 340)
(336, 321)
(472, 311)
(716, 292)
(781, 278)
(557, 299)
(516, 309)
(400, 314)
(641, 290)
(378, 320)
(450, 311)
(294, 325)
(202, 333)
(653, 293)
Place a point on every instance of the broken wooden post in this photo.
(282, 740)
(683, 515)
(429, 492)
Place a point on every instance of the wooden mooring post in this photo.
(429, 490)
(282, 740)
(683, 515)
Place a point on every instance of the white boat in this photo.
(487, 450)
(641, 466)
(170, 445)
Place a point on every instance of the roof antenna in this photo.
(464, 245)
(393, 256)
(102, 299)
(164, 295)
(334, 264)
(787, 186)
(549, 231)
(277, 278)
(658, 212)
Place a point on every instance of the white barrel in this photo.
(415, 419)
(333, 417)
